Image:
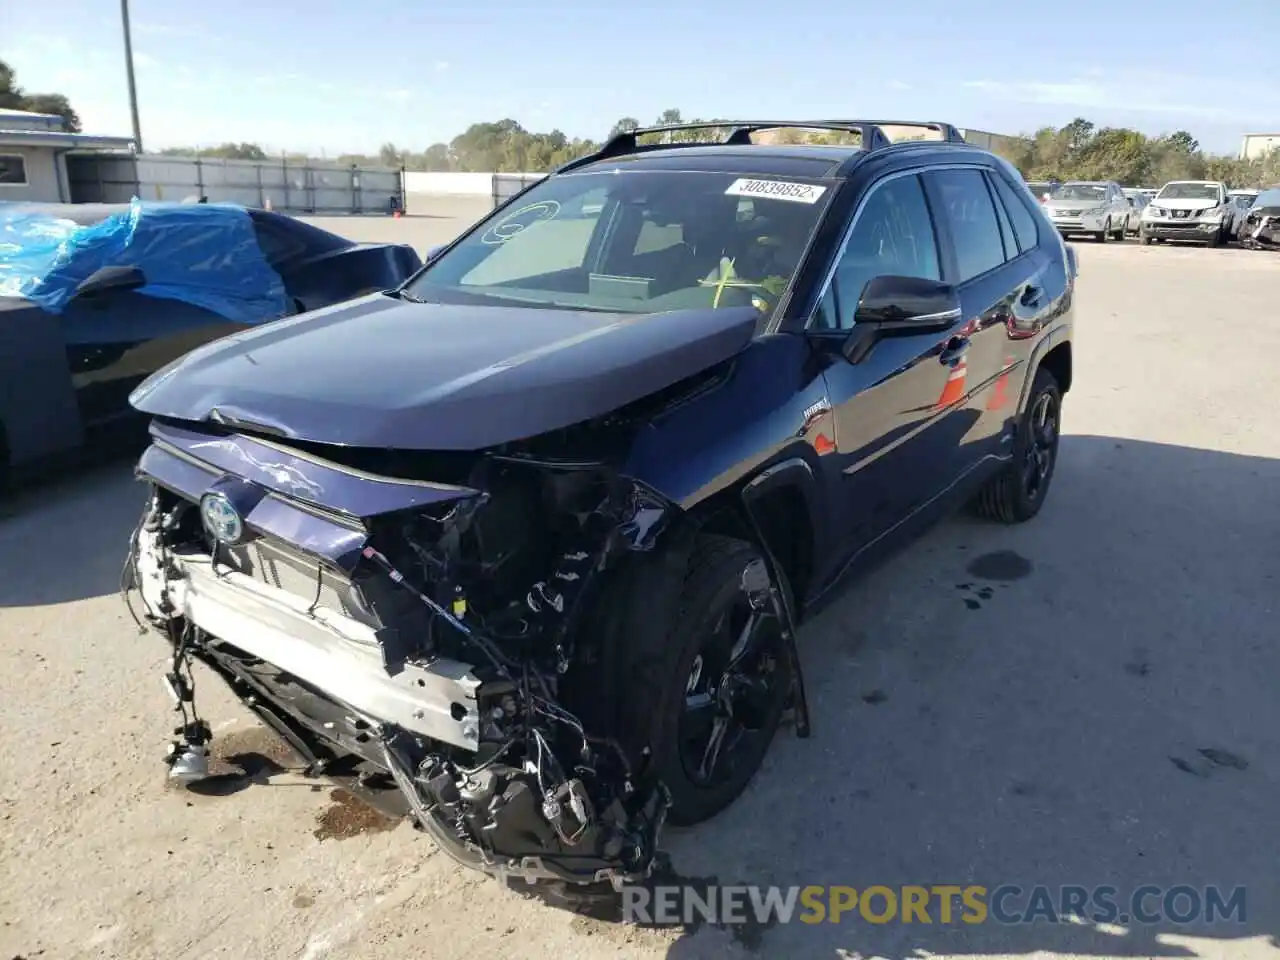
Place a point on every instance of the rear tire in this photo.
(1017, 493)
(685, 667)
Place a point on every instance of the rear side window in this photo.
(972, 215)
(1024, 222)
(1006, 229)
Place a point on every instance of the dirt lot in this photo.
(1105, 713)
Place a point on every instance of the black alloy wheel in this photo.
(1042, 446)
(1018, 491)
(719, 698)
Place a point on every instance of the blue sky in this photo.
(334, 76)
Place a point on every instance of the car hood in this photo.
(1057, 203)
(1185, 204)
(383, 372)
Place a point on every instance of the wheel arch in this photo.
(785, 504)
(1053, 353)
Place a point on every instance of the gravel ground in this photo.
(1104, 715)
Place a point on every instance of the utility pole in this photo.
(128, 63)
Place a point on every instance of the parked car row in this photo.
(1198, 211)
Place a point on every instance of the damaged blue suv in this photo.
(523, 544)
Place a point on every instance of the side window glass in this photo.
(893, 235)
(1024, 223)
(972, 216)
(1006, 230)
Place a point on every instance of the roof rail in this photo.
(740, 133)
(870, 131)
(950, 134)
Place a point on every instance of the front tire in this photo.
(1144, 238)
(1017, 493)
(716, 687)
(1105, 235)
(1121, 231)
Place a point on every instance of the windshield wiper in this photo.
(404, 295)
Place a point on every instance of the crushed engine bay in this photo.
(448, 648)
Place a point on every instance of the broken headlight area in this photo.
(443, 644)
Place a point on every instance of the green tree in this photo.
(13, 97)
(622, 126)
(389, 155)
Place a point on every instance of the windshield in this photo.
(635, 242)
(1189, 191)
(1081, 191)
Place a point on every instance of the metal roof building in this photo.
(1255, 146)
(33, 155)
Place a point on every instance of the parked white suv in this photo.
(1097, 207)
(1195, 210)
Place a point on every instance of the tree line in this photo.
(1080, 150)
(13, 97)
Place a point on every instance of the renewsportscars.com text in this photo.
(935, 904)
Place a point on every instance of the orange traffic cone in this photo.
(1000, 392)
(954, 389)
(396, 215)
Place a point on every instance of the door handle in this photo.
(956, 348)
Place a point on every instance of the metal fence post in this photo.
(199, 178)
(261, 198)
(284, 172)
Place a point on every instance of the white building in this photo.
(1255, 146)
(33, 155)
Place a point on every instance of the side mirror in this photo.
(900, 306)
(433, 252)
(111, 280)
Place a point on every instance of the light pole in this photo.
(128, 63)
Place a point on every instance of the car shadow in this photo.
(1087, 699)
(64, 538)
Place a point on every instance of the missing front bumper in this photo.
(325, 650)
(318, 679)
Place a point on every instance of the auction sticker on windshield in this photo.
(776, 190)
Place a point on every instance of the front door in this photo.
(901, 411)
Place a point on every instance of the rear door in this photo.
(994, 261)
(898, 416)
(992, 274)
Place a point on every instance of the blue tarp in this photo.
(203, 254)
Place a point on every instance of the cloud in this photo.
(144, 60)
(398, 96)
(1134, 92)
(898, 85)
(441, 66)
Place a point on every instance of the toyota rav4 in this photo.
(526, 541)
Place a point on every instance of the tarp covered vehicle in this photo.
(96, 297)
